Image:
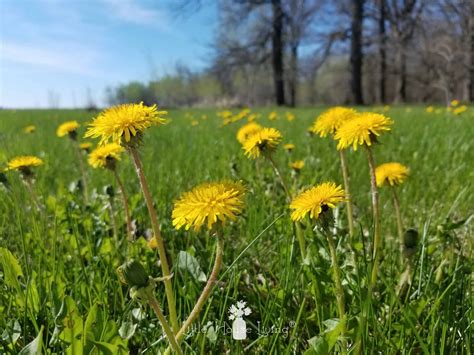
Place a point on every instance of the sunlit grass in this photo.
(72, 253)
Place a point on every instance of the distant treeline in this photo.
(306, 52)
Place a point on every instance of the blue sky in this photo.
(65, 47)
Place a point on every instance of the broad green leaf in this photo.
(12, 332)
(35, 347)
(73, 325)
(127, 330)
(188, 262)
(11, 269)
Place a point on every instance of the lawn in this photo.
(59, 287)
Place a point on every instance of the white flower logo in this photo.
(236, 314)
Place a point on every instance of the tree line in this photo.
(306, 52)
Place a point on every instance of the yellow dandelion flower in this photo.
(290, 116)
(248, 130)
(362, 129)
(455, 103)
(391, 174)
(194, 123)
(430, 109)
(124, 122)
(315, 200)
(207, 204)
(329, 121)
(67, 128)
(459, 110)
(29, 129)
(24, 163)
(252, 117)
(289, 147)
(264, 141)
(386, 108)
(85, 146)
(273, 116)
(297, 165)
(104, 155)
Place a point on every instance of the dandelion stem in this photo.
(279, 175)
(396, 205)
(337, 281)
(345, 175)
(376, 217)
(31, 190)
(206, 292)
(164, 323)
(301, 240)
(113, 220)
(125, 204)
(157, 235)
(83, 171)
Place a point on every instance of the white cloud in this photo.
(60, 57)
(134, 12)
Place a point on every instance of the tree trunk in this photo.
(400, 95)
(382, 52)
(356, 50)
(277, 52)
(471, 53)
(294, 74)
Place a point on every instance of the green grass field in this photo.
(58, 274)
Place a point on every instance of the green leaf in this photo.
(188, 262)
(73, 325)
(35, 346)
(127, 330)
(12, 332)
(323, 343)
(94, 324)
(11, 269)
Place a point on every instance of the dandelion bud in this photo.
(410, 239)
(133, 274)
(109, 190)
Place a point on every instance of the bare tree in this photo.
(300, 16)
(356, 57)
(403, 17)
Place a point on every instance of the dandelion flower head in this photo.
(67, 128)
(103, 155)
(264, 141)
(24, 163)
(362, 129)
(391, 174)
(248, 130)
(208, 203)
(315, 200)
(123, 122)
(329, 121)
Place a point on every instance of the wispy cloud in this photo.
(137, 13)
(60, 57)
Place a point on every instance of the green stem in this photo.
(113, 221)
(31, 190)
(396, 205)
(345, 176)
(376, 217)
(279, 176)
(338, 282)
(125, 204)
(164, 323)
(157, 235)
(83, 171)
(301, 240)
(206, 292)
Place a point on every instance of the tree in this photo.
(382, 51)
(404, 17)
(356, 56)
